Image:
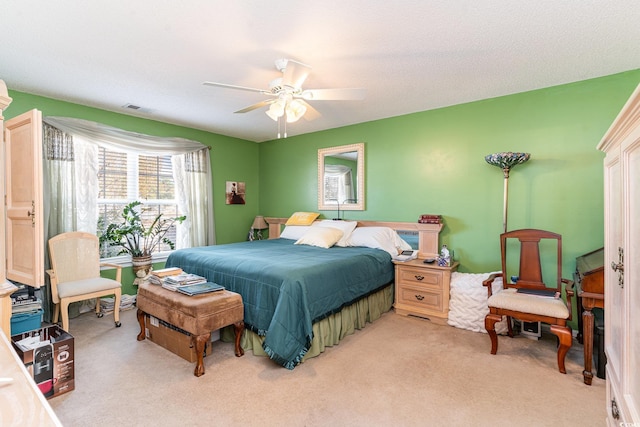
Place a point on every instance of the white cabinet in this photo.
(621, 144)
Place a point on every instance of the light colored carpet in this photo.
(398, 371)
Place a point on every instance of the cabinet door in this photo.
(613, 240)
(23, 199)
(631, 209)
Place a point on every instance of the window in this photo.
(338, 184)
(127, 177)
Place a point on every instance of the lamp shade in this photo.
(506, 160)
(259, 223)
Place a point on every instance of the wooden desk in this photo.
(589, 280)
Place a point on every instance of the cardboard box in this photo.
(172, 338)
(50, 363)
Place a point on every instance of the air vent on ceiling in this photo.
(132, 107)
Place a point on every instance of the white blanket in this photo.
(468, 302)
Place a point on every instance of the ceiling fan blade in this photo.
(250, 89)
(295, 74)
(311, 113)
(347, 94)
(256, 106)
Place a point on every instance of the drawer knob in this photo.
(418, 277)
(419, 297)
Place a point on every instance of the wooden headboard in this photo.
(428, 234)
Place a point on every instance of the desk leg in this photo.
(587, 327)
(580, 336)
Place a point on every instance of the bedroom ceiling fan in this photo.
(288, 100)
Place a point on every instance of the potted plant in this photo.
(135, 238)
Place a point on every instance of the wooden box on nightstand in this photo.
(423, 290)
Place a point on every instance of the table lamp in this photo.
(258, 225)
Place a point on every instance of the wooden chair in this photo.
(75, 274)
(522, 300)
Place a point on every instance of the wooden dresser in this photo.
(423, 290)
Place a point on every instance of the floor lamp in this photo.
(506, 161)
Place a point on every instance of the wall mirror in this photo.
(341, 178)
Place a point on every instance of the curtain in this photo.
(192, 176)
(70, 190)
(70, 150)
(123, 140)
(190, 163)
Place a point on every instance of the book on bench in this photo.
(200, 288)
(171, 271)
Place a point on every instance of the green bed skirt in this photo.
(330, 330)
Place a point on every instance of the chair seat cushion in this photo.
(86, 286)
(510, 299)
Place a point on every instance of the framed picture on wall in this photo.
(235, 193)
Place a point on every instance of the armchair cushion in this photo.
(510, 299)
(86, 286)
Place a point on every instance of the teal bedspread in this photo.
(286, 288)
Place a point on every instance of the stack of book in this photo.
(430, 219)
(183, 279)
(25, 304)
(127, 302)
(157, 276)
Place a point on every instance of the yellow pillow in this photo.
(302, 218)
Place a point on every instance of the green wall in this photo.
(432, 162)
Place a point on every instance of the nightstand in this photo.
(423, 290)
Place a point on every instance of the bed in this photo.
(300, 298)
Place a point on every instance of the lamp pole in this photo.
(505, 161)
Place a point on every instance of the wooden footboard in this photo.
(428, 234)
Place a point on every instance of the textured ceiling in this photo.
(409, 55)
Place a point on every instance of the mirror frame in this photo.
(322, 152)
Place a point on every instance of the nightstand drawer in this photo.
(421, 277)
(420, 297)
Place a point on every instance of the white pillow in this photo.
(294, 232)
(384, 238)
(346, 227)
(323, 237)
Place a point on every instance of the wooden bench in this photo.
(198, 315)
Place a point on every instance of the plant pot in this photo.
(141, 265)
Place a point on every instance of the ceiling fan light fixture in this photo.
(295, 109)
(276, 110)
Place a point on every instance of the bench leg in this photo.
(201, 342)
(238, 329)
(141, 315)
